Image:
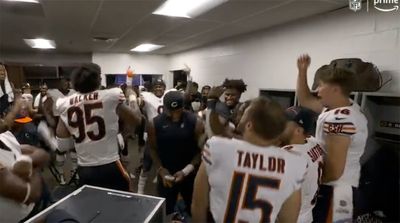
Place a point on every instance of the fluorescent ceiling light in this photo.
(30, 1)
(146, 47)
(40, 43)
(186, 8)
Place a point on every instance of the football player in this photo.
(342, 132)
(297, 139)
(89, 122)
(250, 180)
(152, 105)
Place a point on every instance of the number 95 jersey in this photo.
(92, 121)
(249, 183)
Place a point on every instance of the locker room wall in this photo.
(267, 59)
(45, 57)
(114, 63)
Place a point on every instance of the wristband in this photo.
(188, 169)
(28, 193)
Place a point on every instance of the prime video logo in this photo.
(393, 5)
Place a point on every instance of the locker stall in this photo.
(380, 163)
(285, 97)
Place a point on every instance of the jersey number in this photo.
(249, 201)
(85, 117)
(342, 111)
(160, 109)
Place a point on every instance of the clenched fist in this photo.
(303, 62)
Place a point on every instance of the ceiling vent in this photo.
(102, 39)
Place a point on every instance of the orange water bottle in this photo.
(129, 76)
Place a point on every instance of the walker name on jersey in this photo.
(257, 161)
(86, 97)
(315, 153)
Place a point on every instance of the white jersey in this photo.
(248, 182)
(56, 94)
(346, 121)
(313, 153)
(11, 211)
(92, 121)
(153, 105)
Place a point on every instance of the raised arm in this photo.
(216, 123)
(132, 113)
(306, 99)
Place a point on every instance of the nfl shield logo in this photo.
(355, 5)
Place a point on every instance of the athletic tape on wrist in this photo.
(28, 193)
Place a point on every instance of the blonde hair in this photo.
(341, 77)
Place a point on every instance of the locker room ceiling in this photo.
(74, 23)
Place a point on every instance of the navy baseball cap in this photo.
(159, 82)
(173, 100)
(303, 117)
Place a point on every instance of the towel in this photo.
(342, 203)
(8, 88)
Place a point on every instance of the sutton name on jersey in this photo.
(315, 153)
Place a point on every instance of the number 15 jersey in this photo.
(249, 183)
(92, 121)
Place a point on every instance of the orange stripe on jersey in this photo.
(125, 174)
(205, 159)
(347, 128)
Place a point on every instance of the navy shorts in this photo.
(112, 176)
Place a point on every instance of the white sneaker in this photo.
(62, 179)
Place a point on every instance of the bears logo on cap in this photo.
(173, 100)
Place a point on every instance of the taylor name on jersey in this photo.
(249, 182)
